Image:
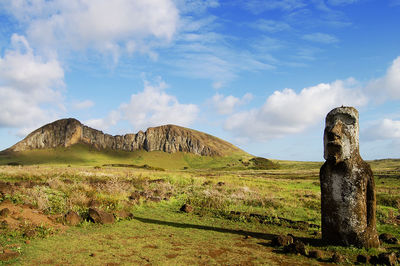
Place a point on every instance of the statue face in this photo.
(341, 134)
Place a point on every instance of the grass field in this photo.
(236, 212)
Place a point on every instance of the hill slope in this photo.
(67, 141)
(168, 138)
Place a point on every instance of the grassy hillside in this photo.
(84, 155)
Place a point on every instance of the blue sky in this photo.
(261, 74)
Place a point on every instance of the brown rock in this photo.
(186, 208)
(72, 218)
(98, 216)
(388, 238)
(281, 241)
(4, 213)
(316, 254)
(387, 258)
(348, 201)
(297, 247)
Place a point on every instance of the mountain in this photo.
(168, 138)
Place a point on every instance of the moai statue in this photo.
(348, 202)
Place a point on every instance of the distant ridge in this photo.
(166, 138)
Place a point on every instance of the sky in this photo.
(261, 74)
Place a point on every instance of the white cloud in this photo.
(82, 104)
(150, 107)
(226, 105)
(320, 38)
(100, 24)
(383, 130)
(270, 25)
(287, 112)
(104, 123)
(154, 107)
(29, 86)
(387, 87)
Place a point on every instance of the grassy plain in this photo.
(236, 212)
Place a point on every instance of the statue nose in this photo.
(335, 131)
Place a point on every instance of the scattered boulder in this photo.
(101, 217)
(186, 208)
(387, 258)
(316, 254)
(4, 213)
(363, 258)
(348, 199)
(338, 258)
(388, 238)
(72, 218)
(282, 241)
(297, 247)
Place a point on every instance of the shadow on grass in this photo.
(265, 236)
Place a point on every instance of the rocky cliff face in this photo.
(168, 138)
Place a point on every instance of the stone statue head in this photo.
(341, 134)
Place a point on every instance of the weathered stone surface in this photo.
(297, 247)
(168, 138)
(316, 254)
(101, 217)
(281, 241)
(348, 201)
(72, 218)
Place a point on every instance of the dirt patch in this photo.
(151, 246)
(171, 256)
(214, 253)
(20, 215)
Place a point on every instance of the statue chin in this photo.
(334, 152)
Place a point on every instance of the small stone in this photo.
(387, 258)
(282, 241)
(220, 184)
(72, 218)
(27, 242)
(92, 255)
(297, 247)
(247, 237)
(186, 208)
(316, 254)
(29, 233)
(338, 258)
(4, 213)
(101, 217)
(363, 258)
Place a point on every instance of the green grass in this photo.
(229, 204)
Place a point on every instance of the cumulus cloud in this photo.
(387, 87)
(30, 86)
(105, 25)
(287, 112)
(320, 38)
(150, 107)
(226, 105)
(382, 130)
(154, 107)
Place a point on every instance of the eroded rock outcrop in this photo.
(348, 201)
(168, 138)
